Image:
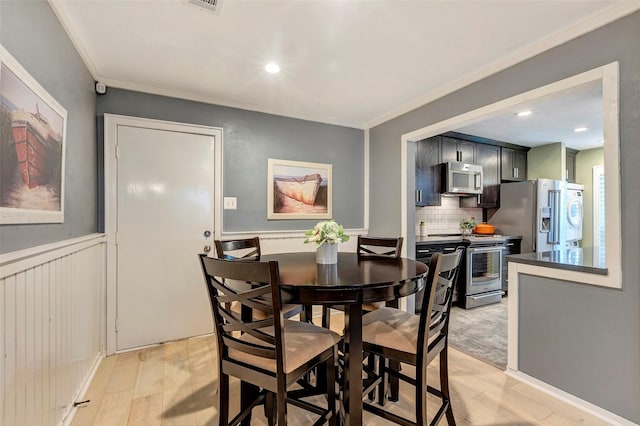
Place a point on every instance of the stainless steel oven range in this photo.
(483, 283)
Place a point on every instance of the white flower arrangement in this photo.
(326, 232)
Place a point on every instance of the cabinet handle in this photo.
(510, 244)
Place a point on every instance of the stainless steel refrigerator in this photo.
(533, 209)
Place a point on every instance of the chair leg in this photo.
(421, 400)
(382, 387)
(394, 382)
(270, 409)
(444, 384)
(248, 394)
(331, 388)
(223, 395)
(326, 317)
(282, 408)
(371, 363)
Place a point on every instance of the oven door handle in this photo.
(484, 249)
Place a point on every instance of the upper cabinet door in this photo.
(449, 150)
(571, 165)
(467, 152)
(427, 172)
(514, 164)
(488, 156)
(457, 151)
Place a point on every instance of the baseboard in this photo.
(82, 390)
(573, 400)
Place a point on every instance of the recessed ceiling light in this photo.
(580, 129)
(524, 113)
(272, 68)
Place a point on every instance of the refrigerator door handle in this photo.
(554, 201)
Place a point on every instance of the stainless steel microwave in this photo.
(461, 179)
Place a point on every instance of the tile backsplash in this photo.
(445, 219)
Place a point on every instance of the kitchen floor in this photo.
(481, 332)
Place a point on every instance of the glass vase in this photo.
(327, 254)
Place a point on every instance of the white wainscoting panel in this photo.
(52, 328)
(292, 241)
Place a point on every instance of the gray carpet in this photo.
(481, 332)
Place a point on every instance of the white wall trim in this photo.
(16, 261)
(66, 23)
(594, 410)
(111, 123)
(608, 74)
(82, 390)
(367, 177)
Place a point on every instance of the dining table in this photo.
(350, 282)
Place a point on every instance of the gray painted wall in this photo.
(48, 55)
(593, 332)
(250, 138)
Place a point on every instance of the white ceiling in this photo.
(354, 63)
(553, 119)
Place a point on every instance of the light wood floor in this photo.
(176, 384)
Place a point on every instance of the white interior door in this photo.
(165, 205)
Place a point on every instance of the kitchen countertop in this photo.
(588, 259)
(458, 239)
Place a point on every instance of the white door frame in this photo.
(111, 123)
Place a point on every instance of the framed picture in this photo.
(299, 190)
(32, 148)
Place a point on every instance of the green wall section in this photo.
(585, 162)
(546, 162)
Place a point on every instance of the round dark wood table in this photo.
(351, 283)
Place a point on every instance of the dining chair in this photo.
(270, 355)
(369, 248)
(395, 336)
(249, 249)
(379, 248)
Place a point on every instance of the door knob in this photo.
(207, 248)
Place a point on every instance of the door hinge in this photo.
(117, 150)
(116, 325)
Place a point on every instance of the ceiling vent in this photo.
(212, 5)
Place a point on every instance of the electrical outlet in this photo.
(230, 203)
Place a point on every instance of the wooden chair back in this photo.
(376, 248)
(247, 249)
(264, 279)
(438, 305)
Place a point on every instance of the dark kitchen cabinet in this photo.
(488, 156)
(571, 165)
(514, 164)
(428, 181)
(457, 150)
(424, 251)
(512, 246)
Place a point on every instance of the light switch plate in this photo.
(230, 203)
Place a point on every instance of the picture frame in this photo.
(299, 190)
(32, 148)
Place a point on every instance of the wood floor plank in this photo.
(114, 409)
(177, 404)
(146, 411)
(151, 373)
(125, 372)
(128, 389)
